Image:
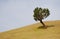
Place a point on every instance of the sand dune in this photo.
(34, 31)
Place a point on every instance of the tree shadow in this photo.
(47, 26)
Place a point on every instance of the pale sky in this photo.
(19, 13)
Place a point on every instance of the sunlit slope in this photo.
(33, 32)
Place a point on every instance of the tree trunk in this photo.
(42, 23)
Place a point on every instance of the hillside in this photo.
(34, 31)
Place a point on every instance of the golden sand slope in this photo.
(33, 32)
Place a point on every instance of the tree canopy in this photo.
(40, 13)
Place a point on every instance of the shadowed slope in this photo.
(34, 31)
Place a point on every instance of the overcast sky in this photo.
(19, 13)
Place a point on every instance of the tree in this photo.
(40, 14)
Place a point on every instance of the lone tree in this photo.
(40, 14)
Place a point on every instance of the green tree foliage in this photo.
(40, 13)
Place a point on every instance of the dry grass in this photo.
(33, 32)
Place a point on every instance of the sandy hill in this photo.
(34, 31)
